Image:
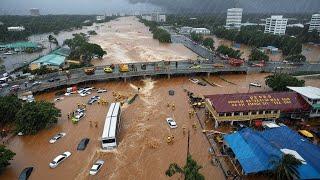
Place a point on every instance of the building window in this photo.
(267, 112)
(228, 114)
(245, 113)
(221, 114)
(260, 112)
(236, 114)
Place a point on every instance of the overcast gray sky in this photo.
(185, 6)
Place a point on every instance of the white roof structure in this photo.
(270, 124)
(308, 91)
(295, 154)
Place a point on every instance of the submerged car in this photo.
(193, 80)
(255, 84)
(56, 161)
(85, 93)
(172, 124)
(202, 83)
(93, 99)
(96, 167)
(101, 90)
(56, 137)
(24, 175)
(83, 144)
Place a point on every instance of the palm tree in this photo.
(190, 170)
(286, 168)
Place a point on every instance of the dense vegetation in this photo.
(303, 35)
(288, 45)
(190, 170)
(158, 33)
(28, 118)
(257, 55)
(196, 37)
(230, 52)
(297, 58)
(42, 24)
(280, 81)
(208, 42)
(81, 49)
(35, 116)
(5, 156)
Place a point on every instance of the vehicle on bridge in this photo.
(218, 65)
(235, 62)
(123, 68)
(108, 69)
(89, 71)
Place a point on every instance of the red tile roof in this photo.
(242, 102)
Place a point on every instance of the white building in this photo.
(34, 12)
(185, 30)
(276, 25)
(158, 17)
(146, 17)
(315, 23)
(312, 96)
(100, 18)
(296, 25)
(203, 31)
(234, 17)
(18, 28)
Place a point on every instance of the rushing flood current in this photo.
(143, 152)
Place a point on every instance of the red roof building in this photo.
(249, 106)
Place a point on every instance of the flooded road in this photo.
(312, 52)
(143, 152)
(127, 40)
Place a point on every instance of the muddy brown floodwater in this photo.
(142, 152)
(127, 40)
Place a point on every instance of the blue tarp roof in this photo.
(256, 150)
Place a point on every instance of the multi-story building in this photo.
(100, 18)
(315, 23)
(276, 25)
(34, 12)
(158, 17)
(203, 31)
(234, 17)
(18, 28)
(312, 96)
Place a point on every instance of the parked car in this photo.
(89, 70)
(202, 83)
(56, 161)
(24, 175)
(36, 83)
(57, 137)
(255, 84)
(85, 93)
(79, 115)
(172, 124)
(101, 90)
(96, 167)
(193, 80)
(93, 99)
(83, 144)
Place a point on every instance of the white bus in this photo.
(111, 127)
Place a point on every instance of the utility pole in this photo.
(188, 150)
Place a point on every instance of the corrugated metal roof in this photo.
(308, 91)
(243, 102)
(255, 150)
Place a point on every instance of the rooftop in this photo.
(243, 102)
(255, 150)
(308, 91)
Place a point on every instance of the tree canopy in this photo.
(36, 116)
(9, 107)
(158, 33)
(296, 58)
(82, 49)
(257, 55)
(229, 51)
(208, 42)
(196, 37)
(286, 168)
(5, 156)
(190, 170)
(280, 81)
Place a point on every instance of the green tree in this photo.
(286, 168)
(36, 116)
(9, 107)
(5, 156)
(280, 81)
(229, 51)
(257, 55)
(208, 42)
(190, 170)
(196, 37)
(296, 58)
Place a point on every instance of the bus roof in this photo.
(113, 109)
(110, 127)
